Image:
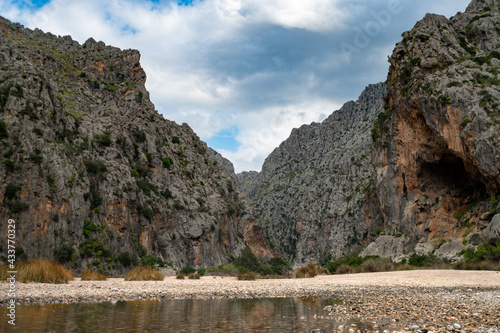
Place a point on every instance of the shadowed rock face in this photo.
(436, 146)
(88, 163)
(311, 189)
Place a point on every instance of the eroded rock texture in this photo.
(89, 166)
(436, 152)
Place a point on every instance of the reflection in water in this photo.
(214, 315)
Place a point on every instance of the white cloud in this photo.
(262, 66)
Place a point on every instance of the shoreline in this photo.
(444, 301)
(208, 287)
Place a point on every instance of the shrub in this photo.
(308, 271)
(484, 252)
(377, 265)
(148, 260)
(139, 136)
(180, 276)
(143, 274)
(3, 130)
(167, 162)
(194, 276)
(125, 258)
(43, 271)
(222, 270)
(102, 140)
(202, 271)
(247, 261)
(354, 261)
(36, 158)
(63, 253)
(187, 270)
(418, 260)
(246, 276)
(175, 139)
(147, 187)
(96, 168)
(11, 191)
(145, 211)
(344, 269)
(134, 173)
(88, 275)
(279, 266)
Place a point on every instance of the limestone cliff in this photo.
(92, 173)
(437, 153)
(311, 190)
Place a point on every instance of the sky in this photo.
(243, 73)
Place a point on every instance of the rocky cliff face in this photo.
(437, 154)
(311, 189)
(90, 167)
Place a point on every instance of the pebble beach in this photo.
(425, 301)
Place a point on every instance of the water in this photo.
(214, 315)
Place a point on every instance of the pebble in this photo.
(417, 302)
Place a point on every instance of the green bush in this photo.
(247, 261)
(175, 139)
(148, 260)
(89, 228)
(167, 162)
(96, 168)
(63, 253)
(484, 252)
(125, 258)
(354, 261)
(134, 173)
(423, 260)
(147, 187)
(139, 136)
(3, 130)
(102, 140)
(279, 266)
(11, 191)
(146, 211)
(9, 166)
(187, 270)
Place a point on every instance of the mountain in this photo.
(311, 190)
(93, 175)
(436, 152)
(413, 166)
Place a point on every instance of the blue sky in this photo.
(243, 73)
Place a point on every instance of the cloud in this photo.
(252, 69)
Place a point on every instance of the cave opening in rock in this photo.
(449, 177)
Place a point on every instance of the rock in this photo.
(492, 231)
(435, 152)
(311, 188)
(450, 250)
(414, 328)
(457, 326)
(388, 247)
(93, 165)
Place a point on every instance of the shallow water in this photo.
(213, 315)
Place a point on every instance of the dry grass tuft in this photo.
(377, 265)
(143, 274)
(39, 270)
(345, 269)
(308, 271)
(194, 276)
(246, 276)
(180, 276)
(88, 275)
